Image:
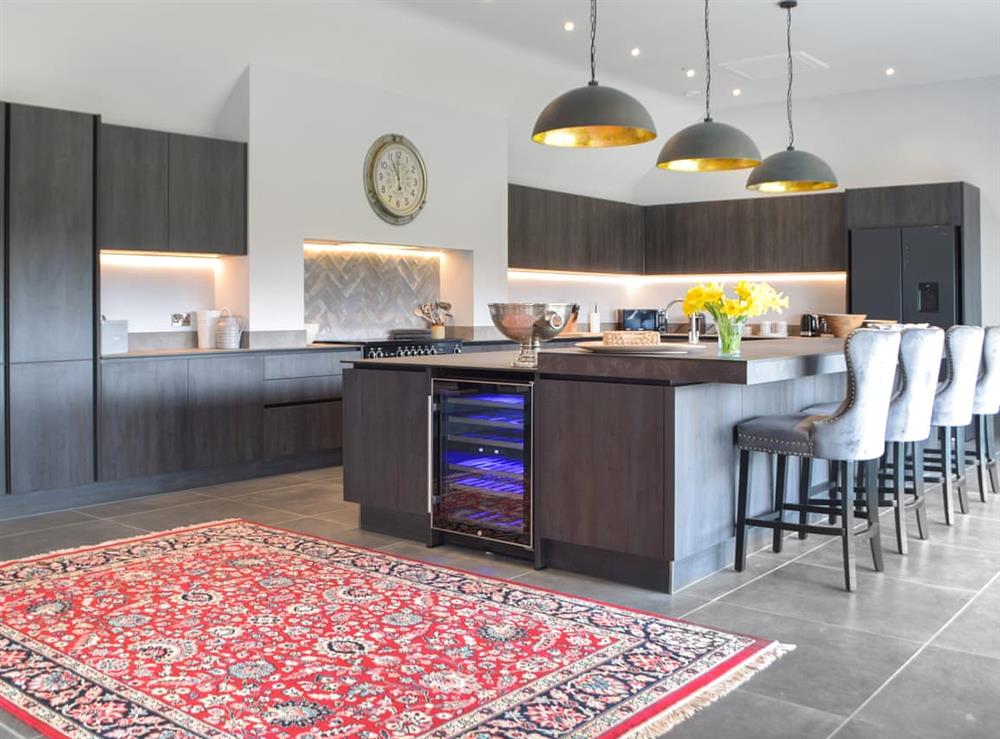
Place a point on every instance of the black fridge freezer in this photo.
(912, 275)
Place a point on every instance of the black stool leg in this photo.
(741, 511)
(871, 500)
(847, 528)
(991, 452)
(805, 482)
(899, 494)
(980, 454)
(780, 479)
(959, 460)
(919, 488)
(947, 481)
(834, 475)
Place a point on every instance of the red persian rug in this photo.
(235, 630)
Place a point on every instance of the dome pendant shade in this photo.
(594, 116)
(708, 147)
(792, 171)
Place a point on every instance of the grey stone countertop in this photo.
(763, 360)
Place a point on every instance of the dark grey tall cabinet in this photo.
(50, 276)
(3, 298)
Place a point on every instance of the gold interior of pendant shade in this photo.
(707, 164)
(792, 186)
(594, 136)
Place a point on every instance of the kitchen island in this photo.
(633, 464)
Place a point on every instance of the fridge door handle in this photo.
(430, 455)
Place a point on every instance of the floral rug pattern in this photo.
(237, 630)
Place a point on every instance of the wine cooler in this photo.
(481, 477)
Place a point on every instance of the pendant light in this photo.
(708, 146)
(593, 116)
(791, 170)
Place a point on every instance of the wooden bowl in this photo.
(841, 324)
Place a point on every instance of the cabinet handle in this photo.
(430, 454)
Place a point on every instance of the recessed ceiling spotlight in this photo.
(636, 51)
(889, 71)
(689, 72)
(737, 92)
(569, 26)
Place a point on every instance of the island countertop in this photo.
(762, 361)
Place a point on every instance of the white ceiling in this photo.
(923, 40)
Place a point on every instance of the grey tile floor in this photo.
(914, 653)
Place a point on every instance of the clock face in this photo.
(396, 180)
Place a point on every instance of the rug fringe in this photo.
(124, 540)
(664, 722)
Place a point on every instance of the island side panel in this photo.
(386, 448)
(701, 486)
(599, 462)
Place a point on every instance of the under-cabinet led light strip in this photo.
(132, 259)
(387, 249)
(541, 275)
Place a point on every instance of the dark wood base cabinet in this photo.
(51, 425)
(386, 453)
(599, 461)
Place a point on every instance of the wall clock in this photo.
(395, 179)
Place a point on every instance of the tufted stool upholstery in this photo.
(854, 433)
(985, 406)
(953, 409)
(909, 424)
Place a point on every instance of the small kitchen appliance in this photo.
(811, 325)
(644, 319)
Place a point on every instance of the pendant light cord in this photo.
(708, 69)
(788, 98)
(593, 42)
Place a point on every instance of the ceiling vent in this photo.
(773, 65)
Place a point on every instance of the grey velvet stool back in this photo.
(987, 396)
(920, 351)
(963, 346)
(856, 431)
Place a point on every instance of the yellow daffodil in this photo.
(752, 299)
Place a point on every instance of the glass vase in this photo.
(730, 336)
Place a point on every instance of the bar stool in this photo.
(854, 434)
(985, 407)
(953, 411)
(908, 425)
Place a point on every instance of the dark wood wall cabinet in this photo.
(555, 230)
(170, 192)
(559, 231)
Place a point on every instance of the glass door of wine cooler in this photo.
(481, 482)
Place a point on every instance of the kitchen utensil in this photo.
(841, 324)
(205, 322)
(666, 348)
(530, 324)
(228, 329)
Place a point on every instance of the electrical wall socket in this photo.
(180, 319)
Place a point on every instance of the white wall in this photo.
(146, 290)
(308, 140)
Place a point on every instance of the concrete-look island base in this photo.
(633, 459)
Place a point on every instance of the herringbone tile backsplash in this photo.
(362, 295)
